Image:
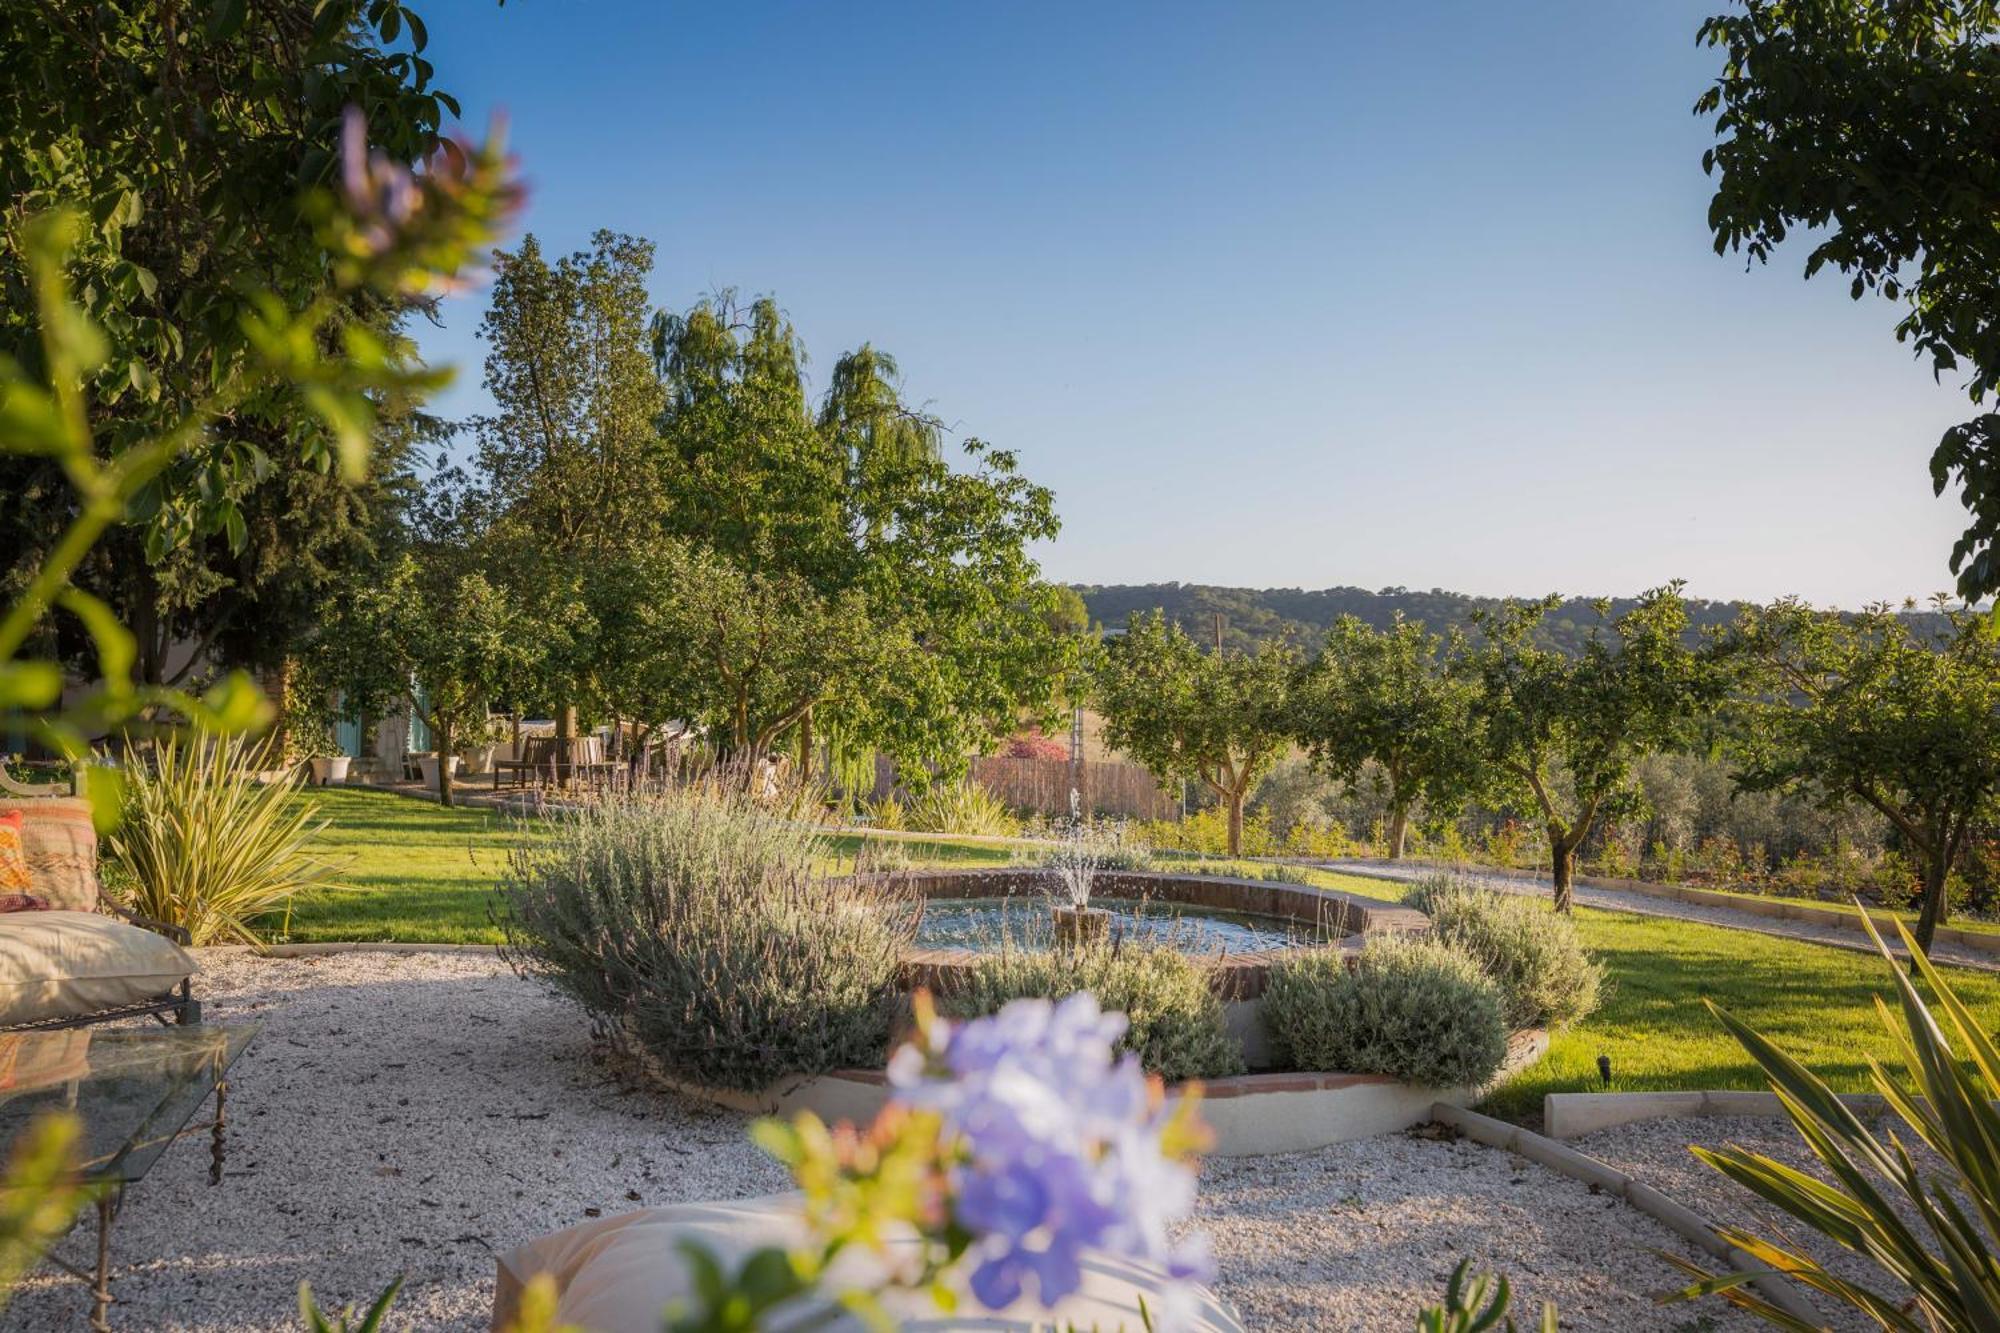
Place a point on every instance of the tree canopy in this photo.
(1864, 709)
(1870, 128)
(1564, 732)
(1391, 697)
(1217, 717)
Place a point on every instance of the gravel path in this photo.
(1622, 900)
(1657, 1151)
(417, 1113)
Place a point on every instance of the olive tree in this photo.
(1391, 697)
(1564, 731)
(1220, 718)
(1870, 708)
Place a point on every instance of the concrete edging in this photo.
(1669, 1213)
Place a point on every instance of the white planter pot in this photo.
(477, 761)
(329, 769)
(427, 764)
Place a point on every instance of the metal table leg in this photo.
(100, 1287)
(215, 1143)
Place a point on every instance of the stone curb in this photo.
(1676, 1217)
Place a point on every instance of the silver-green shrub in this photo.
(1176, 1029)
(1415, 1009)
(692, 924)
(1532, 952)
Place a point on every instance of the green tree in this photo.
(1869, 128)
(1219, 718)
(850, 512)
(570, 458)
(1563, 732)
(434, 630)
(181, 145)
(1866, 708)
(1389, 696)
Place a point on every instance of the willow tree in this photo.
(1390, 697)
(1220, 718)
(1564, 730)
(1874, 710)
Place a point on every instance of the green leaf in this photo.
(30, 684)
(225, 19)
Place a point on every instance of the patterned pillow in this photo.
(13, 856)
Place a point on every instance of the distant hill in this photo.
(1252, 616)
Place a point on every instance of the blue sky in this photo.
(1276, 295)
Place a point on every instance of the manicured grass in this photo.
(410, 870)
(1814, 1001)
(417, 872)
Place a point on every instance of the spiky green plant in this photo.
(206, 845)
(1931, 1232)
(963, 808)
(1477, 1303)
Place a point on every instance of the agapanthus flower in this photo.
(425, 228)
(1058, 1144)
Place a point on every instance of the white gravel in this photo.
(1657, 1152)
(1645, 904)
(414, 1114)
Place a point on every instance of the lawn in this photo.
(421, 873)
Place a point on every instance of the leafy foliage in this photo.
(1176, 1030)
(1869, 127)
(39, 1195)
(1416, 1009)
(182, 148)
(1943, 1266)
(1390, 697)
(691, 923)
(961, 808)
(1219, 718)
(1860, 708)
(1534, 956)
(1564, 732)
(207, 846)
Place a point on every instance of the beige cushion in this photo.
(618, 1274)
(61, 849)
(65, 964)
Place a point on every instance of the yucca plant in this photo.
(1932, 1233)
(206, 846)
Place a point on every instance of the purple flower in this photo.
(1059, 1146)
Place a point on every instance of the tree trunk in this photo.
(806, 746)
(565, 744)
(1236, 823)
(1937, 869)
(1399, 827)
(442, 736)
(1563, 869)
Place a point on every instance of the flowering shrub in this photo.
(1011, 1145)
(1173, 1019)
(1032, 744)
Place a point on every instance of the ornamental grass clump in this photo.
(206, 845)
(692, 926)
(1530, 951)
(1174, 1020)
(1415, 1009)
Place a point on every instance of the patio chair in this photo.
(538, 756)
(83, 959)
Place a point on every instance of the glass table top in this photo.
(134, 1089)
